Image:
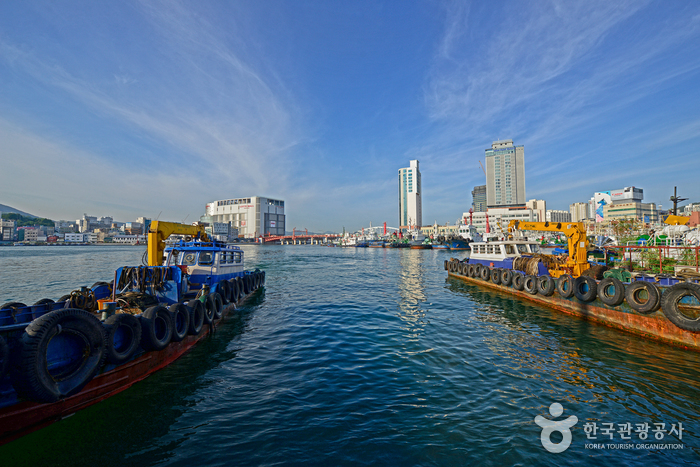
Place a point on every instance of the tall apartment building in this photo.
(410, 209)
(579, 211)
(539, 207)
(479, 198)
(505, 174)
(252, 217)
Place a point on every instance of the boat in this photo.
(441, 246)
(58, 357)
(664, 308)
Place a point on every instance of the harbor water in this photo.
(354, 356)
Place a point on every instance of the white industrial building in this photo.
(499, 218)
(252, 217)
(410, 206)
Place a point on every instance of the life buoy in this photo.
(518, 281)
(4, 357)
(123, 333)
(643, 297)
(496, 276)
(680, 304)
(196, 309)
(506, 277)
(218, 306)
(565, 286)
(180, 316)
(38, 374)
(485, 273)
(530, 284)
(585, 288)
(156, 328)
(611, 291)
(545, 285)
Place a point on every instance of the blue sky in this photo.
(155, 108)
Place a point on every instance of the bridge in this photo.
(302, 237)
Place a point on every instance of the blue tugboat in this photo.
(57, 357)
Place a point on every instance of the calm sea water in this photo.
(367, 356)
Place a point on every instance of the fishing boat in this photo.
(57, 357)
(661, 307)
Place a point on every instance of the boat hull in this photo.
(653, 326)
(24, 417)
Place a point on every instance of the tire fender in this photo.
(611, 291)
(675, 299)
(565, 286)
(123, 332)
(585, 288)
(156, 328)
(180, 316)
(545, 285)
(634, 294)
(530, 284)
(196, 312)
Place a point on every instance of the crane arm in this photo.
(575, 233)
(160, 230)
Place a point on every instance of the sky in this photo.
(155, 108)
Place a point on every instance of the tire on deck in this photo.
(681, 313)
(643, 297)
(123, 336)
(611, 291)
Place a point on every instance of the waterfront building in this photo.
(505, 174)
(553, 215)
(8, 230)
(437, 230)
(410, 208)
(479, 198)
(499, 218)
(539, 207)
(251, 217)
(689, 209)
(579, 212)
(644, 212)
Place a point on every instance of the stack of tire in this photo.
(680, 303)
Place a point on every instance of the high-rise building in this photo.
(539, 207)
(479, 198)
(505, 174)
(410, 209)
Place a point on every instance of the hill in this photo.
(7, 209)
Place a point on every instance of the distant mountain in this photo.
(5, 208)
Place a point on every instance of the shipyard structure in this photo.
(246, 217)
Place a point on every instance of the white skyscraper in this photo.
(505, 174)
(410, 210)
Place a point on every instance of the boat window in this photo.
(237, 257)
(188, 258)
(482, 249)
(510, 250)
(489, 249)
(206, 258)
(535, 248)
(225, 257)
(522, 248)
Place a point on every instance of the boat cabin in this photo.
(206, 262)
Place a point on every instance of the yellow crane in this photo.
(575, 232)
(159, 231)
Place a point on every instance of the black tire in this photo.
(485, 273)
(12, 306)
(234, 290)
(180, 316)
(635, 296)
(38, 376)
(530, 284)
(239, 286)
(209, 309)
(157, 328)
(98, 284)
(565, 286)
(44, 301)
(4, 358)
(545, 285)
(222, 290)
(462, 269)
(123, 336)
(477, 270)
(63, 298)
(585, 288)
(518, 281)
(611, 291)
(447, 263)
(679, 313)
(262, 278)
(247, 284)
(496, 276)
(219, 306)
(196, 309)
(506, 277)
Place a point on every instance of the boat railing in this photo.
(658, 259)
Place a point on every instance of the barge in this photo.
(665, 309)
(58, 357)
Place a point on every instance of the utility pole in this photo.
(676, 200)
